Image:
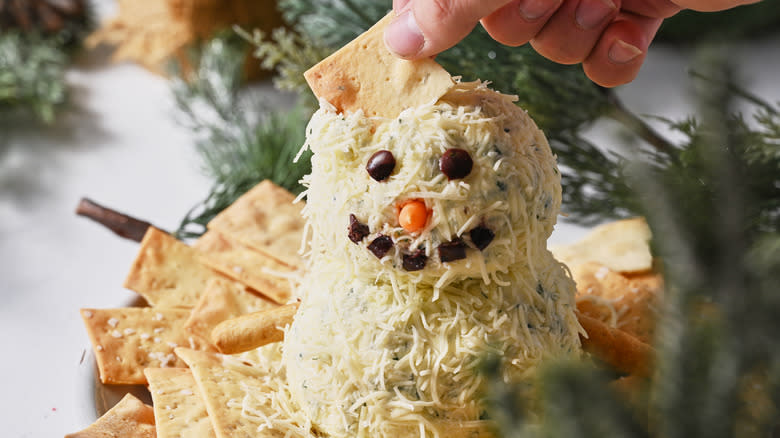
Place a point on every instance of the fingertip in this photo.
(610, 73)
(619, 54)
(571, 33)
(520, 20)
(403, 36)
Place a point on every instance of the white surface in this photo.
(123, 149)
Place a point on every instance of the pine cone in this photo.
(45, 16)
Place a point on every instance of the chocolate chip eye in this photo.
(380, 165)
(380, 246)
(481, 236)
(415, 261)
(357, 231)
(456, 163)
(451, 251)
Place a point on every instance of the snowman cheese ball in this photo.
(428, 255)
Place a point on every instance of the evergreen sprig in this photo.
(32, 75)
(289, 54)
(33, 64)
(239, 143)
(332, 23)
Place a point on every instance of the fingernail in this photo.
(403, 36)
(620, 52)
(533, 10)
(591, 13)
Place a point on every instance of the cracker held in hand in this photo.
(179, 410)
(622, 246)
(130, 418)
(127, 340)
(166, 272)
(264, 219)
(365, 75)
(261, 272)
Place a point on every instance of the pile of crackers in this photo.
(247, 262)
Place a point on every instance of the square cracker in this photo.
(259, 271)
(130, 418)
(222, 381)
(622, 246)
(127, 340)
(365, 75)
(265, 219)
(223, 299)
(166, 271)
(179, 410)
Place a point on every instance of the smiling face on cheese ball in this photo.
(463, 188)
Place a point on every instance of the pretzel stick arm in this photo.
(615, 347)
(252, 330)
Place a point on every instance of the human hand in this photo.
(609, 37)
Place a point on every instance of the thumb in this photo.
(423, 28)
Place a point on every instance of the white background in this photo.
(120, 145)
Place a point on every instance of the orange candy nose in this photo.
(413, 216)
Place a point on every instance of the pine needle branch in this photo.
(33, 63)
(290, 55)
(32, 75)
(620, 113)
(238, 145)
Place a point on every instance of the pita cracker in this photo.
(127, 340)
(179, 410)
(166, 271)
(265, 219)
(222, 381)
(365, 75)
(222, 300)
(622, 246)
(628, 302)
(264, 274)
(130, 418)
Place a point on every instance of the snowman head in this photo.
(461, 188)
